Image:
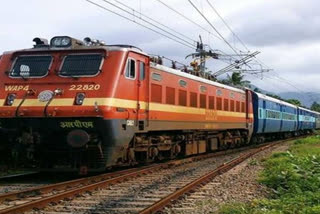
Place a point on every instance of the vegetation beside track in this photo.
(293, 177)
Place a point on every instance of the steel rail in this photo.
(75, 187)
(158, 206)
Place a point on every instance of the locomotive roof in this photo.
(193, 77)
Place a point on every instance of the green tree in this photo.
(315, 107)
(257, 90)
(294, 102)
(274, 96)
(236, 79)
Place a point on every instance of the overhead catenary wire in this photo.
(178, 39)
(148, 17)
(188, 19)
(234, 34)
(227, 25)
(142, 25)
(207, 20)
(146, 21)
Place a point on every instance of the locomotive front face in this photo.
(54, 103)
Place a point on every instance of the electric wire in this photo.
(148, 17)
(189, 45)
(150, 23)
(188, 19)
(149, 28)
(203, 16)
(227, 25)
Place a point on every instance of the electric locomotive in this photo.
(84, 105)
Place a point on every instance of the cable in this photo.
(108, 2)
(214, 9)
(195, 7)
(190, 20)
(155, 21)
(118, 14)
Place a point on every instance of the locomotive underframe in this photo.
(43, 142)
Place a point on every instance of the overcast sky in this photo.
(287, 32)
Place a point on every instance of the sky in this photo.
(286, 32)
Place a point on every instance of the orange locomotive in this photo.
(82, 104)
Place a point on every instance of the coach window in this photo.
(131, 69)
(142, 70)
(260, 113)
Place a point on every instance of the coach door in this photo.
(143, 92)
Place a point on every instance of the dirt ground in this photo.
(237, 185)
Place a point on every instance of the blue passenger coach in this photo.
(273, 116)
(317, 120)
(307, 119)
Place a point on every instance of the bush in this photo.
(294, 177)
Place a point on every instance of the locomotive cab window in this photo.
(142, 71)
(81, 65)
(131, 69)
(31, 66)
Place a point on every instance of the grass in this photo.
(293, 177)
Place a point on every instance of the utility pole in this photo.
(200, 57)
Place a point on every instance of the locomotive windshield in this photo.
(81, 65)
(31, 66)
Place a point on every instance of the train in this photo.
(86, 106)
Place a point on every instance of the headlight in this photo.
(10, 99)
(80, 98)
(61, 41)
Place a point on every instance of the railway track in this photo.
(145, 190)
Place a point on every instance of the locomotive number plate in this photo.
(86, 87)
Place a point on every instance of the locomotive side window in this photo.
(203, 89)
(231, 105)
(182, 98)
(131, 69)
(219, 103)
(193, 99)
(156, 93)
(81, 65)
(238, 106)
(182, 83)
(219, 92)
(243, 108)
(142, 71)
(203, 101)
(226, 105)
(156, 77)
(211, 102)
(170, 95)
(31, 66)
